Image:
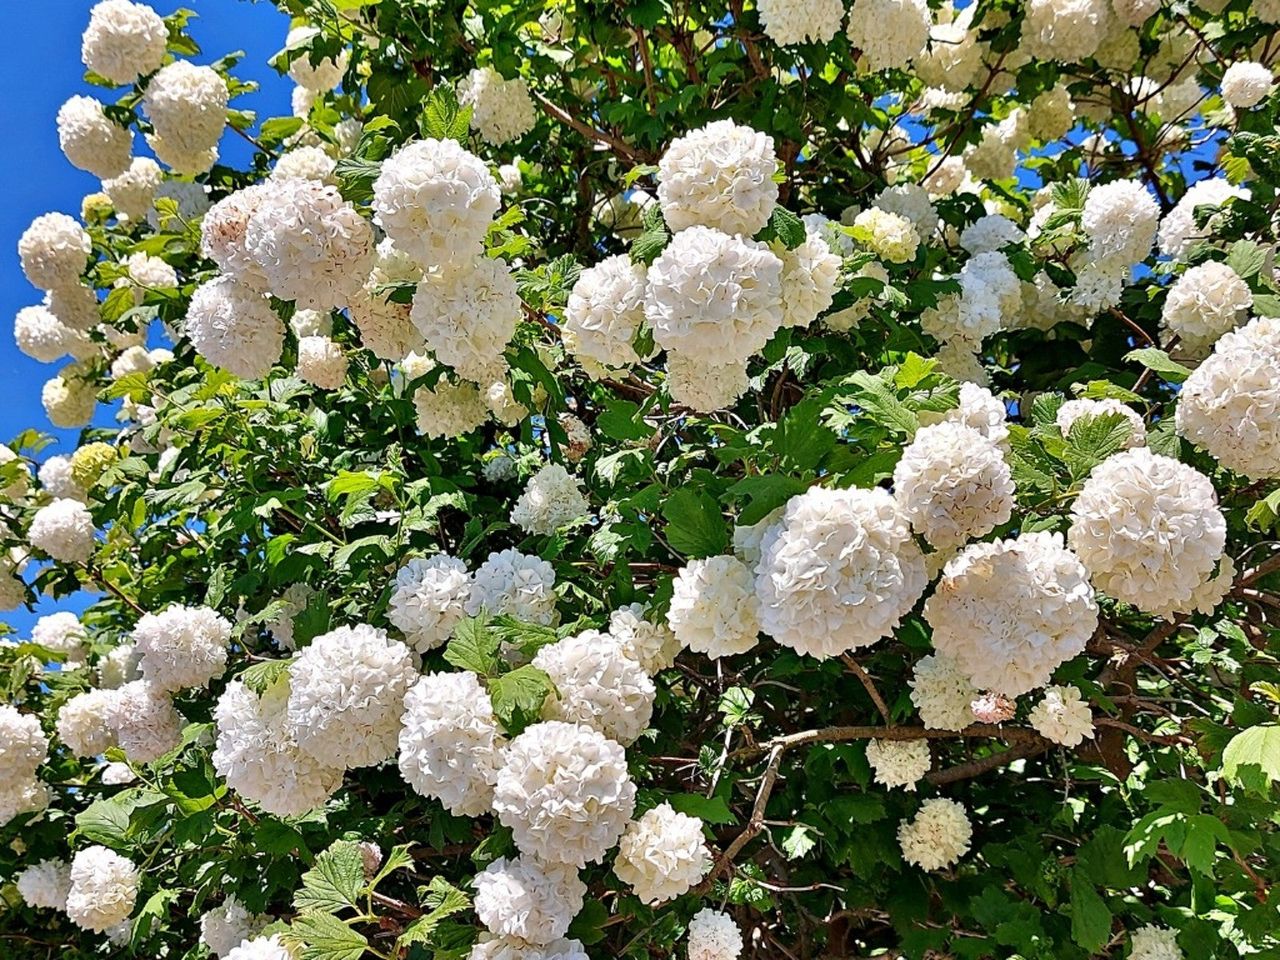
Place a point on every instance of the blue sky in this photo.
(41, 70)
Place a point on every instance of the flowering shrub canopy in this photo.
(661, 478)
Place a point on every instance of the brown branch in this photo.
(754, 825)
(974, 768)
(869, 685)
(844, 734)
(591, 133)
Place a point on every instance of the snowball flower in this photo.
(234, 327)
(84, 722)
(981, 409)
(810, 280)
(714, 936)
(1149, 529)
(104, 886)
(551, 500)
(466, 313)
(598, 685)
(1230, 405)
(54, 251)
(68, 399)
(321, 362)
(938, 836)
(1067, 31)
(714, 609)
(123, 41)
(719, 176)
(118, 666)
(45, 885)
(1071, 412)
(23, 746)
(22, 795)
(501, 109)
(509, 948)
(1121, 219)
(838, 572)
(429, 599)
(187, 106)
(311, 323)
(1178, 230)
(181, 647)
(788, 22)
(899, 763)
(450, 745)
(222, 234)
(605, 311)
(1008, 613)
(1155, 943)
(435, 201)
(712, 295)
(662, 855)
(911, 201)
(316, 76)
(564, 792)
(449, 409)
(91, 140)
(55, 479)
(226, 925)
(889, 236)
(144, 721)
(133, 190)
(262, 948)
(1204, 303)
(705, 386)
(528, 900)
(1062, 716)
(257, 755)
(988, 234)
(514, 584)
(311, 245)
(346, 695)
(889, 33)
(653, 645)
(64, 530)
(954, 484)
(305, 163)
(1246, 84)
(43, 337)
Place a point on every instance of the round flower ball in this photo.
(598, 685)
(234, 327)
(713, 295)
(1204, 303)
(45, 885)
(255, 752)
(564, 792)
(84, 722)
(435, 200)
(23, 746)
(810, 280)
(719, 176)
(899, 763)
(181, 647)
(1178, 230)
(662, 855)
(123, 41)
(528, 900)
(321, 362)
(224, 927)
(653, 645)
(54, 251)
(1062, 716)
(1067, 31)
(1009, 613)
(316, 77)
(501, 109)
(714, 936)
(187, 107)
(449, 409)
(551, 500)
(605, 312)
(91, 140)
(64, 530)
(222, 235)
(510, 948)
(346, 696)
(466, 313)
(1151, 942)
(450, 745)
(954, 485)
(68, 399)
(133, 191)
(938, 836)
(144, 722)
(1073, 411)
(43, 337)
(889, 33)
(429, 599)
(789, 22)
(1230, 405)
(705, 386)
(942, 693)
(1246, 84)
(1120, 219)
(104, 887)
(514, 584)
(262, 948)
(1149, 529)
(838, 572)
(714, 609)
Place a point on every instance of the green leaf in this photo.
(798, 842)
(764, 494)
(107, 820)
(473, 647)
(398, 859)
(336, 881)
(1090, 917)
(355, 177)
(325, 937)
(712, 810)
(1158, 361)
(1259, 746)
(880, 403)
(1246, 258)
(1094, 438)
(623, 420)
(518, 697)
(443, 900)
(695, 526)
(1264, 514)
(443, 118)
(262, 675)
(786, 227)
(647, 247)
(588, 925)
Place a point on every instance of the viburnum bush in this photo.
(656, 478)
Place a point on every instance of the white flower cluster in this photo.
(429, 599)
(1120, 219)
(514, 584)
(889, 33)
(224, 927)
(64, 530)
(899, 763)
(320, 76)
(45, 885)
(144, 722)
(23, 747)
(662, 854)
(123, 41)
(346, 694)
(1149, 530)
(942, 693)
(1009, 613)
(91, 140)
(1230, 405)
(954, 484)
(181, 647)
(450, 745)
(653, 645)
(1204, 303)
(788, 22)
(551, 500)
(1073, 411)
(501, 109)
(234, 327)
(719, 176)
(104, 887)
(714, 936)
(449, 409)
(1062, 716)
(84, 722)
(527, 900)
(1155, 943)
(54, 250)
(564, 792)
(938, 836)
(187, 107)
(714, 610)
(1178, 231)
(1246, 84)
(597, 685)
(262, 948)
(64, 633)
(466, 314)
(839, 571)
(604, 314)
